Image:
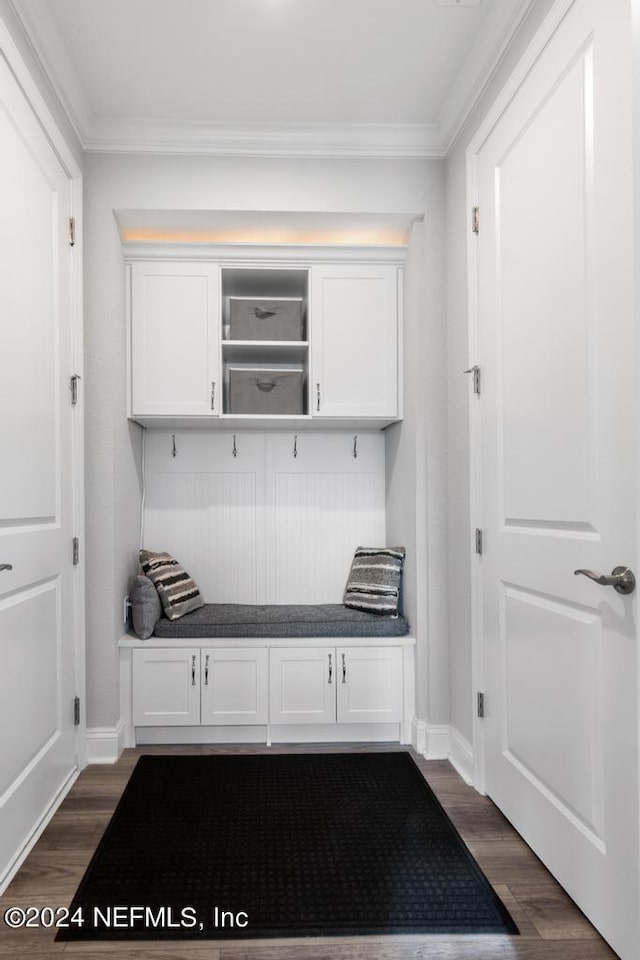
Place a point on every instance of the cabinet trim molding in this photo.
(285, 255)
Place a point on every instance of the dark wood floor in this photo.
(551, 927)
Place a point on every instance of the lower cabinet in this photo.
(189, 686)
(336, 685)
(261, 686)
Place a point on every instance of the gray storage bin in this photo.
(266, 391)
(252, 318)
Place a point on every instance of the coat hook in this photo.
(295, 445)
(355, 446)
(235, 449)
(174, 449)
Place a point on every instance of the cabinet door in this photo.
(166, 687)
(175, 339)
(369, 684)
(354, 341)
(235, 686)
(302, 685)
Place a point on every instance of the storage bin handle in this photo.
(265, 385)
(263, 314)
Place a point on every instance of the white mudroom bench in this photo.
(269, 673)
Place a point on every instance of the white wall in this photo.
(113, 445)
(460, 541)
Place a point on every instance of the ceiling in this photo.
(270, 77)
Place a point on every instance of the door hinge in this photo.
(481, 705)
(475, 370)
(76, 711)
(76, 551)
(479, 541)
(72, 231)
(74, 388)
(475, 219)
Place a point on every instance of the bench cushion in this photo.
(235, 620)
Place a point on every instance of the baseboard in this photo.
(461, 755)
(105, 744)
(419, 735)
(430, 739)
(441, 741)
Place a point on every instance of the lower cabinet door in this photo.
(166, 687)
(235, 686)
(369, 684)
(302, 683)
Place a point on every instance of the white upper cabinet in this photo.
(175, 339)
(267, 343)
(354, 332)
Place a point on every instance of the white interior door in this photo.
(37, 629)
(556, 349)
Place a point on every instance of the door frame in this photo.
(542, 37)
(18, 67)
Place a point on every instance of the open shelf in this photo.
(265, 351)
(264, 325)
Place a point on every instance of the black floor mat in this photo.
(283, 845)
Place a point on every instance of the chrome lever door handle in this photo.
(622, 579)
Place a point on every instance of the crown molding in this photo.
(393, 141)
(295, 140)
(49, 50)
(491, 45)
(281, 253)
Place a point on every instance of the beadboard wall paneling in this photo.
(205, 507)
(265, 526)
(323, 503)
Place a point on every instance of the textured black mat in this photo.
(286, 845)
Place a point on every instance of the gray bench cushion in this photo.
(280, 620)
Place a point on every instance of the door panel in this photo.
(37, 628)
(175, 336)
(545, 418)
(302, 685)
(556, 346)
(544, 642)
(354, 313)
(166, 685)
(369, 685)
(235, 686)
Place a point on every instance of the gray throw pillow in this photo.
(178, 593)
(146, 608)
(374, 581)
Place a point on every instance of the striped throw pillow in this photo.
(374, 580)
(178, 593)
